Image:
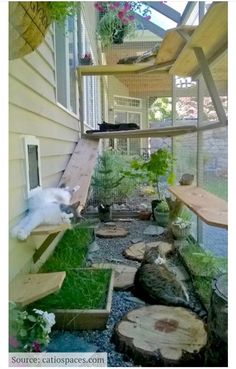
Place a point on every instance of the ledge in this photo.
(210, 208)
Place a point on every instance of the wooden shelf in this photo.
(49, 229)
(139, 133)
(25, 289)
(210, 35)
(210, 208)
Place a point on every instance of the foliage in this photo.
(29, 331)
(203, 287)
(70, 252)
(159, 165)
(203, 263)
(161, 109)
(59, 10)
(117, 20)
(81, 289)
(109, 181)
(162, 207)
(181, 223)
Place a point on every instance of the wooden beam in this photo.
(210, 35)
(38, 253)
(165, 10)
(187, 12)
(49, 229)
(152, 132)
(151, 26)
(107, 70)
(210, 208)
(210, 85)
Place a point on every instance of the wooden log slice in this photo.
(124, 274)
(136, 251)
(111, 232)
(162, 335)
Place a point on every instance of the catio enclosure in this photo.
(165, 78)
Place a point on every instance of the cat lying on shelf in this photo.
(49, 206)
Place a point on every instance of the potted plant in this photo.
(157, 170)
(104, 182)
(86, 59)
(161, 213)
(117, 20)
(29, 22)
(181, 226)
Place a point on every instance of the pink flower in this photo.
(121, 14)
(148, 17)
(131, 17)
(116, 4)
(112, 6)
(99, 7)
(127, 6)
(125, 21)
(13, 342)
(36, 347)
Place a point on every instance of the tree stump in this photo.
(136, 251)
(160, 335)
(217, 324)
(111, 232)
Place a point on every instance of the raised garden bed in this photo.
(83, 302)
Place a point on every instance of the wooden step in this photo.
(27, 288)
(210, 208)
(49, 229)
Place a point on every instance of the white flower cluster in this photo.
(49, 319)
(181, 223)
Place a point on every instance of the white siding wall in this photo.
(33, 111)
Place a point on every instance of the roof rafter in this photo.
(187, 11)
(164, 10)
(151, 26)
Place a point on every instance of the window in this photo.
(66, 41)
(127, 101)
(91, 86)
(32, 158)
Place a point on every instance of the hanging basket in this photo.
(28, 24)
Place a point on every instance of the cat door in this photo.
(32, 155)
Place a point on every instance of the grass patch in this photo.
(203, 288)
(70, 252)
(203, 263)
(81, 289)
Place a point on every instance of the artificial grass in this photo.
(81, 289)
(70, 252)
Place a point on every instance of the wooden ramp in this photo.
(210, 208)
(78, 172)
(25, 289)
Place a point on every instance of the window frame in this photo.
(32, 140)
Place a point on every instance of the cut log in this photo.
(136, 251)
(162, 335)
(111, 232)
(124, 274)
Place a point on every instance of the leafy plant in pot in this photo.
(159, 166)
(161, 213)
(181, 226)
(117, 20)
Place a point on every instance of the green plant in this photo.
(59, 10)
(159, 165)
(109, 181)
(181, 223)
(162, 207)
(81, 289)
(117, 20)
(29, 330)
(70, 252)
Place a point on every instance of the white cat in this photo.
(50, 206)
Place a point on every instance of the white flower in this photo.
(49, 319)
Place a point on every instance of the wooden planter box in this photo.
(78, 319)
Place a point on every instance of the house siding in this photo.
(33, 110)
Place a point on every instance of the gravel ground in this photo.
(122, 302)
